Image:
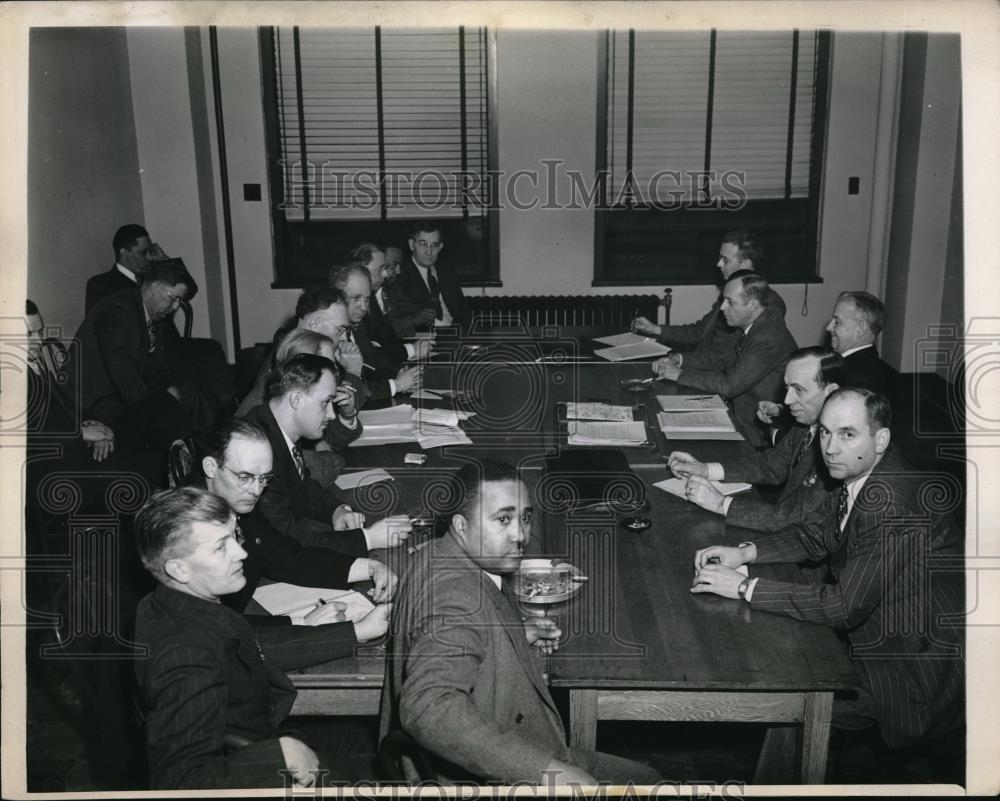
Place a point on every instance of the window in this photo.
(370, 129)
(701, 133)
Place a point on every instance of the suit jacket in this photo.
(803, 475)
(380, 364)
(710, 332)
(750, 369)
(117, 369)
(380, 331)
(206, 682)
(892, 588)
(103, 284)
(866, 369)
(409, 293)
(460, 676)
(300, 507)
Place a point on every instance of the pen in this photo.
(701, 397)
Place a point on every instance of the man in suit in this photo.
(301, 402)
(427, 294)
(751, 367)
(215, 697)
(811, 375)
(858, 318)
(126, 381)
(896, 564)
(461, 676)
(133, 254)
(237, 467)
(740, 254)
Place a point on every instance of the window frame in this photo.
(701, 230)
(285, 274)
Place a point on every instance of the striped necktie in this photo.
(154, 336)
(300, 466)
(432, 285)
(807, 440)
(842, 511)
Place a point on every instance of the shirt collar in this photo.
(288, 440)
(126, 272)
(847, 353)
(494, 578)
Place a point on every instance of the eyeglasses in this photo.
(429, 245)
(244, 480)
(175, 300)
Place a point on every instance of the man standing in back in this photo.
(133, 254)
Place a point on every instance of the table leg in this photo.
(816, 736)
(776, 762)
(583, 719)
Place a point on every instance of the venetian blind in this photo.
(392, 123)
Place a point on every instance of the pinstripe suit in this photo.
(891, 589)
(206, 684)
(806, 483)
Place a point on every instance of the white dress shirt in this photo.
(446, 318)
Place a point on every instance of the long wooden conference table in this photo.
(638, 645)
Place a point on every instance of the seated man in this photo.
(461, 678)
(740, 254)
(427, 294)
(810, 376)
(237, 467)
(858, 318)
(896, 565)
(133, 254)
(215, 698)
(383, 360)
(750, 368)
(126, 381)
(301, 402)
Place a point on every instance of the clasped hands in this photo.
(715, 569)
(698, 489)
(668, 367)
(385, 533)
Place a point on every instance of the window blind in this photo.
(390, 123)
(727, 102)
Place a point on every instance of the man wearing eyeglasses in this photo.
(126, 381)
(427, 294)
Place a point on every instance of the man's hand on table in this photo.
(422, 349)
(388, 532)
(683, 464)
(409, 379)
(329, 612)
(715, 569)
(383, 579)
(640, 325)
(300, 759)
(373, 625)
(701, 492)
(668, 368)
(345, 518)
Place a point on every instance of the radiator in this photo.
(606, 311)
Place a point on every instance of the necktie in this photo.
(239, 532)
(807, 440)
(432, 284)
(741, 339)
(841, 510)
(384, 296)
(300, 466)
(154, 337)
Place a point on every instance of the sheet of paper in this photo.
(282, 598)
(675, 486)
(585, 432)
(623, 339)
(426, 394)
(690, 403)
(385, 435)
(437, 417)
(362, 478)
(441, 436)
(638, 350)
(391, 415)
(598, 411)
(707, 421)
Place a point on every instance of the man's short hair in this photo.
(127, 236)
(876, 406)
(164, 523)
(754, 287)
(424, 227)
(748, 245)
(869, 307)
(341, 274)
(832, 368)
(469, 481)
(363, 253)
(170, 272)
(30, 307)
(303, 371)
(218, 437)
(314, 299)
(300, 340)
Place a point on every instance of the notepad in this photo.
(637, 350)
(586, 432)
(385, 435)
(623, 339)
(675, 486)
(690, 403)
(362, 478)
(430, 436)
(598, 411)
(391, 415)
(281, 598)
(703, 422)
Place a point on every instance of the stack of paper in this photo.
(622, 339)
(598, 411)
(645, 349)
(387, 416)
(675, 486)
(362, 478)
(385, 426)
(690, 403)
(710, 424)
(296, 602)
(580, 432)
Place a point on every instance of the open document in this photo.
(296, 602)
(622, 339)
(691, 403)
(646, 349)
(598, 411)
(675, 486)
(586, 432)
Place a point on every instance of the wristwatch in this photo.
(742, 589)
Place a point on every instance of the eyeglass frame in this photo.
(244, 480)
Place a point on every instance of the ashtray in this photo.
(636, 384)
(636, 523)
(543, 581)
